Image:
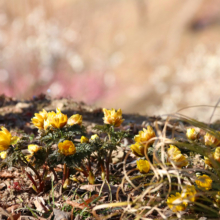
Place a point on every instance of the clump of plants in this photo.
(63, 140)
(176, 175)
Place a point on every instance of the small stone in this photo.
(2, 186)
(22, 105)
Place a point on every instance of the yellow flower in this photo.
(174, 155)
(192, 134)
(188, 194)
(94, 136)
(3, 154)
(173, 151)
(57, 120)
(84, 139)
(143, 166)
(75, 120)
(176, 203)
(112, 117)
(38, 120)
(33, 148)
(5, 139)
(217, 154)
(50, 117)
(67, 148)
(145, 135)
(207, 161)
(211, 140)
(204, 182)
(137, 149)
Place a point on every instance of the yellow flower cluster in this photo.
(174, 155)
(204, 182)
(180, 201)
(143, 166)
(143, 141)
(112, 117)
(44, 119)
(67, 148)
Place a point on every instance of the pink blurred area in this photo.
(143, 56)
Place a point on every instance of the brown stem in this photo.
(89, 165)
(34, 170)
(108, 165)
(32, 180)
(67, 173)
(64, 173)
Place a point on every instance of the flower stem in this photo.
(108, 165)
(34, 170)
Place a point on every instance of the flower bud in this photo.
(192, 134)
(143, 166)
(84, 139)
(75, 119)
(3, 154)
(217, 154)
(211, 140)
(33, 148)
(174, 155)
(94, 137)
(66, 184)
(91, 178)
(137, 149)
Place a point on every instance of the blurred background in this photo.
(151, 57)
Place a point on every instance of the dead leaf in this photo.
(77, 205)
(84, 204)
(98, 187)
(4, 212)
(6, 175)
(40, 204)
(14, 216)
(27, 218)
(12, 208)
(2, 186)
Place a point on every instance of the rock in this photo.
(3, 186)
(22, 105)
(59, 215)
